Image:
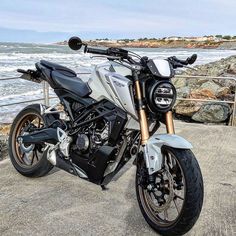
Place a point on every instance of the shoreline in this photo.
(224, 45)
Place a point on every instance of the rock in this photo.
(183, 92)
(232, 69)
(3, 147)
(199, 81)
(179, 82)
(212, 113)
(234, 121)
(193, 83)
(222, 92)
(223, 67)
(210, 85)
(230, 84)
(201, 88)
(4, 129)
(228, 97)
(202, 94)
(187, 108)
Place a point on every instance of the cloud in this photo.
(120, 18)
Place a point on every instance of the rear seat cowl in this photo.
(64, 70)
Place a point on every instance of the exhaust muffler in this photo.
(48, 135)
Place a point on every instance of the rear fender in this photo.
(152, 149)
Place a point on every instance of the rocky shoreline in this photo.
(215, 89)
(161, 44)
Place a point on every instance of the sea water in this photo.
(24, 56)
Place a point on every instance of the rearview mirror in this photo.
(75, 43)
(192, 59)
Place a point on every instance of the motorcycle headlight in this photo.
(161, 96)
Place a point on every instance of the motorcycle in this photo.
(101, 124)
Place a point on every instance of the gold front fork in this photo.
(170, 129)
(142, 116)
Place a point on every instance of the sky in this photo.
(56, 20)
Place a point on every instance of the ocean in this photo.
(24, 56)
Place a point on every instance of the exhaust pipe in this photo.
(48, 135)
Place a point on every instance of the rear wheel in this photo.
(29, 160)
(171, 199)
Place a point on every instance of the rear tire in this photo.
(193, 196)
(42, 166)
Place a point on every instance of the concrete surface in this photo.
(61, 204)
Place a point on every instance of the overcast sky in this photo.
(55, 20)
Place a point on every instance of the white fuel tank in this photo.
(109, 81)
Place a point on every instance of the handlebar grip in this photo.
(97, 51)
(21, 71)
(183, 62)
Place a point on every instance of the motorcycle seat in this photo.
(63, 77)
(62, 69)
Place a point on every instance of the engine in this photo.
(93, 137)
(97, 137)
(102, 126)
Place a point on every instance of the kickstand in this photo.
(104, 188)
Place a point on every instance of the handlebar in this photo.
(96, 51)
(116, 52)
(181, 63)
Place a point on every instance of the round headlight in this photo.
(162, 96)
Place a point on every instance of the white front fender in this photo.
(152, 149)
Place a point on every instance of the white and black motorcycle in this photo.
(101, 124)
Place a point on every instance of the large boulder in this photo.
(210, 85)
(187, 108)
(222, 92)
(212, 113)
(179, 82)
(203, 93)
(229, 83)
(183, 92)
(232, 69)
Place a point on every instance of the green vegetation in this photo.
(227, 37)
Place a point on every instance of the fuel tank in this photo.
(110, 80)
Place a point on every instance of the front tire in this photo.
(184, 175)
(33, 163)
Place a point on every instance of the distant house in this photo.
(106, 41)
(201, 39)
(172, 38)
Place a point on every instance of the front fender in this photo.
(173, 140)
(152, 149)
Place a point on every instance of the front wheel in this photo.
(171, 199)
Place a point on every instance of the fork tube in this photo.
(142, 115)
(169, 123)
